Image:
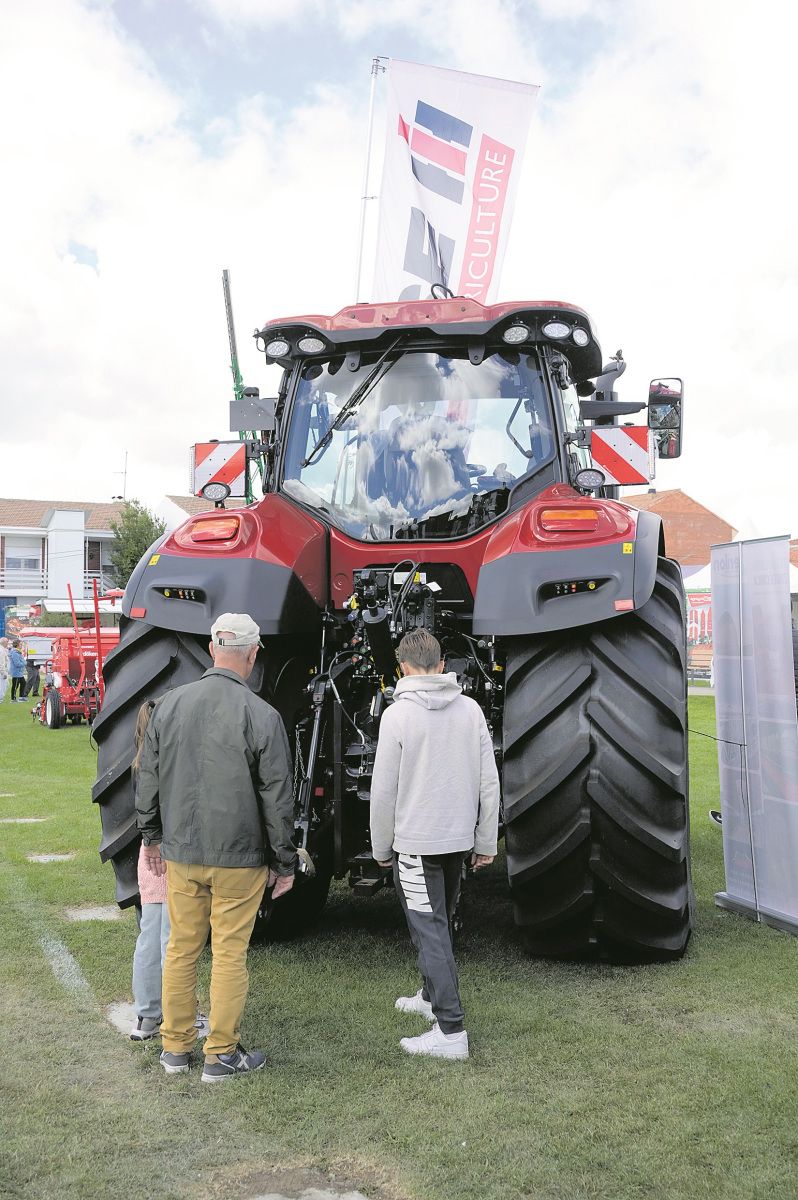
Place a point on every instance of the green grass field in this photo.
(585, 1082)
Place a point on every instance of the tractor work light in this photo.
(277, 348)
(515, 334)
(310, 345)
(589, 478)
(581, 336)
(215, 491)
(556, 329)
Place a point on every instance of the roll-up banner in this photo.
(757, 727)
(453, 156)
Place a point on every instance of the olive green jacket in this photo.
(214, 783)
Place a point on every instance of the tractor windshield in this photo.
(430, 449)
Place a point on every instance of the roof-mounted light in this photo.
(556, 329)
(589, 479)
(277, 348)
(310, 345)
(515, 334)
(581, 336)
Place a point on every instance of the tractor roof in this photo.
(378, 325)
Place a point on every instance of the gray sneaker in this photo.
(144, 1028)
(238, 1063)
(174, 1064)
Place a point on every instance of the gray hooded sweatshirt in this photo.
(435, 787)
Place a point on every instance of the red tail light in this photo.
(575, 520)
(221, 528)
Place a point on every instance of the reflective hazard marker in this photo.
(625, 453)
(219, 462)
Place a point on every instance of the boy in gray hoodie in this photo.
(434, 799)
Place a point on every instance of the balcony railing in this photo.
(14, 580)
(105, 580)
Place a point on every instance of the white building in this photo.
(47, 544)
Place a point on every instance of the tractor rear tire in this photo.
(52, 710)
(595, 782)
(146, 663)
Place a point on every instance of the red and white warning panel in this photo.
(625, 453)
(219, 462)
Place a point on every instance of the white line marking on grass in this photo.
(313, 1194)
(45, 858)
(7, 795)
(66, 970)
(22, 820)
(100, 912)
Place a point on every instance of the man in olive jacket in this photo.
(214, 801)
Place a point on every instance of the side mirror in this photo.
(665, 398)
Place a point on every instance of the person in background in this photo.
(17, 672)
(215, 801)
(32, 676)
(4, 668)
(434, 800)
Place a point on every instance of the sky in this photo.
(148, 144)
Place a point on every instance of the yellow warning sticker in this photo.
(155, 558)
(628, 547)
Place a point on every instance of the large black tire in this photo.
(146, 663)
(595, 784)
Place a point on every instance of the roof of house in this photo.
(192, 504)
(31, 513)
(690, 528)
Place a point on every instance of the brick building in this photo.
(690, 529)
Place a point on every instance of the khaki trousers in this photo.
(224, 901)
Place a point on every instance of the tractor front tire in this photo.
(596, 784)
(52, 710)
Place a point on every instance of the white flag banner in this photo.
(455, 144)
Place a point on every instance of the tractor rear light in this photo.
(208, 528)
(215, 529)
(515, 334)
(139, 613)
(581, 337)
(556, 329)
(310, 345)
(624, 605)
(278, 348)
(575, 520)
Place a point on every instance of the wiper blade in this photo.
(358, 395)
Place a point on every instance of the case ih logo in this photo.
(440, 148)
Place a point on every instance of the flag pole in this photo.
(376, 67)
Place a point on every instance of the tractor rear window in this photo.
(430, 439)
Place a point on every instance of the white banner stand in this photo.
(757, 729)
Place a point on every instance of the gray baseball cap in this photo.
(243, 629)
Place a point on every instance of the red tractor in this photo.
(428, 463)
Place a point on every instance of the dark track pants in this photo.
(428, 887)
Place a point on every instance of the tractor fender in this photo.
(522, 593)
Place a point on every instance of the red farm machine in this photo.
(442, 464)
(73, 682)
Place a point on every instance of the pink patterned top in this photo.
(152, 887)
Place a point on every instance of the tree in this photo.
(134, 532)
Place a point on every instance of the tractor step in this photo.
(367, 876)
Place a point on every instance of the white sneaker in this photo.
(415, 1004)
(437, 1044)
